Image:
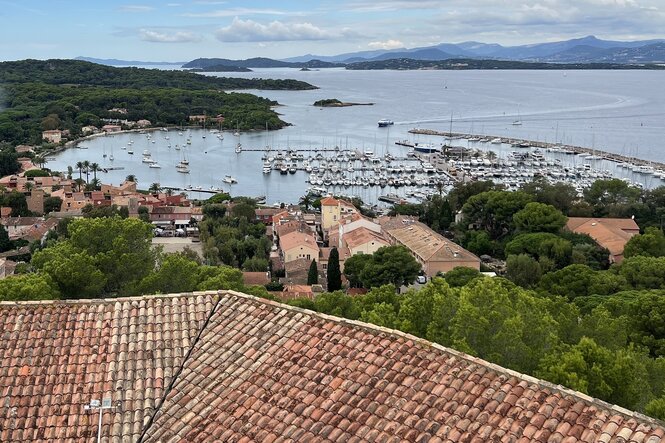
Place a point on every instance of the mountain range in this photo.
(580, 50)
(584, 50)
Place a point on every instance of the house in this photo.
(87, 130)
(178, 216)
(7, 268)
(265, 215)
(225, 366)
(296, 271)
(23, 149)
(255, 278)
(111, 128)
(330, 212)
(363, 241)
(143, 123)
(35, 201)
(297, 244)
(610, 233)
(18, 227)
(52, 136)
(434, 252)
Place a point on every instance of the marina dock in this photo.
(618, 158)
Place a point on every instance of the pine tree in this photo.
(334, 274)
(313, 274)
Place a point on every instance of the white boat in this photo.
(496, 141)
(154, 165)
(237, 134)
(129, 151)
(385, 122)
(111, 157)
(146, 153)
(147, 160)
(229, 179)
(238, 148)
(182, 169)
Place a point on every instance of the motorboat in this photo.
(229, 179)
(385, 122)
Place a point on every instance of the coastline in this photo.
(618, 158)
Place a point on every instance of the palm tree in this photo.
(131, 178)
(154, 188)
(79, 182)
(86, 165)
(95, 184)
(94, 167)
(70, 171)
(28, 186)
(79, 166)
(169, 192)
(306, 201)
(39, 160)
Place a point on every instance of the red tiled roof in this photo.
(231, 367)
(57, 356)
(265, 372)
(329, 201)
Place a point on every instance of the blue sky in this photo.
(180, 30)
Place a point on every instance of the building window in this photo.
(325, 266)
(308, 256)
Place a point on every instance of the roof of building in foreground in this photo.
(230, 367)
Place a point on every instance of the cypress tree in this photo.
(313, 274)
(334, 274)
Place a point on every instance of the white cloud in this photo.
(388, 44)
(135, 8)
(159, 36)
(235, 12)
(251, 31)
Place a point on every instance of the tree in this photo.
(644, 272)
(122, 249)
(493, 211)
(74, 271)
(243, 209)
(86, 167)
(523, 270)
(650, 244)
(154, 188)
(390, 265)
(619, 377)
(461, 276)
(572, 281)
(17, 201)
(353, 267)
(28, 287)
(539, 217)
(313, 274)
(338, 304)
(611, 198)
(94, 167)
(334, 276)
(79, 166)
(144, 214)
(129, 178)
(255, 264)
(5, 243)
(560, 195)
(175, 273)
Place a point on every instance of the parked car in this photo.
(422, 279)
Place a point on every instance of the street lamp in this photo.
(106, 403)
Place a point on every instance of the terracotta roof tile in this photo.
(231, 367)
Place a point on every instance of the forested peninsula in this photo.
(39, 95)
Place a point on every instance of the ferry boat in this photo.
(385, 122)
(425, 148)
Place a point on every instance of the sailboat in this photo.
(518, 122)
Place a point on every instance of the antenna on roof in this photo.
(106, 403)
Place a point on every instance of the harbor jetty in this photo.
(618, 158)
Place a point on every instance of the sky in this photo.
(181, 30)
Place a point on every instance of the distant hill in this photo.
(258, 62)
(587, 49)
(461, 64)
(116, 62)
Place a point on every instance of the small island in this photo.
(335, 103)
(221, 68)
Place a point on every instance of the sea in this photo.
(613, 111)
